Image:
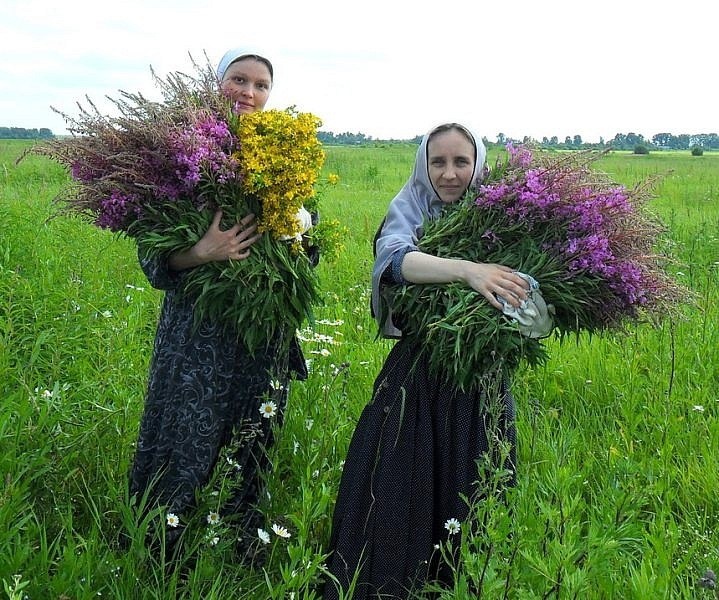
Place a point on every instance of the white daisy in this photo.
(276, 385)
(213, 541)
(268, 409)
(172, 520)
(213, 518)
(263, 535)
(280, 531)
(698, 408)
(452, 525)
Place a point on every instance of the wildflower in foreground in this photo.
(280, 531)
(213, 518)
(452, 525)
(268, 409)
(263, 535)
(172, 520)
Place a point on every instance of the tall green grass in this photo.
(618, 436)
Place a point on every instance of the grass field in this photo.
(618, 493)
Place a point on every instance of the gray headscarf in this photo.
(402, 227)
(235, 54)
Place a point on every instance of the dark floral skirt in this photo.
(207, 395)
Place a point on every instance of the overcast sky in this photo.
(387, 68)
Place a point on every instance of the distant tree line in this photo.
(21, 133)
(621, 141)
(627, 141)
(342, 139)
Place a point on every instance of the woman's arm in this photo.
(217, 245)
(486, 278)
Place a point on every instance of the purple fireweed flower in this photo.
(492, 194)
(592, 226)
(115, 211)
(591, 253)
(84, 172)
(629, 284)
(520, 157)
(203, 149)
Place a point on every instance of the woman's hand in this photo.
(217, 245)
(493, 280)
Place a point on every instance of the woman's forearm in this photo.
(418, 267)
(186, 259)
(490, 280)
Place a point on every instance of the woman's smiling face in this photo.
(248, 83)
(450, 164)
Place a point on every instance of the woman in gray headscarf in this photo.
(205, 388)
(414, 454)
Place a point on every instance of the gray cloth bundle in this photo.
(534, 316)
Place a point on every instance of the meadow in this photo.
(618, 434)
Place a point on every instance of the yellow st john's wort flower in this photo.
(281, 158)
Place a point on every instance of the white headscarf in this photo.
(402, 227)
(235, 54)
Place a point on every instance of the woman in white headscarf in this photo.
(414, 454)
(205, 389)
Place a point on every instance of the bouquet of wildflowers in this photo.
(158, 171)
(587, 240)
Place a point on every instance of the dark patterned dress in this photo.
(413, 455)
(205, 391)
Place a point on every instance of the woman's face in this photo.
(450, 164)
(248, 83)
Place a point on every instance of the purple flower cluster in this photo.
(584, 223)
(148, 165)
(129, 167)
(203, 149)
(115, 210)
(85, 172)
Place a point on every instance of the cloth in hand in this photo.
(534, 316)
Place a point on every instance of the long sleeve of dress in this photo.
(393, 273)
(158, 272)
